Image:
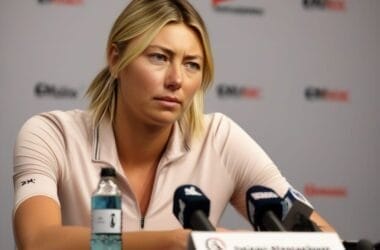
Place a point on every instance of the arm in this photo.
(321, 222)
(37, 225)
(251, 166)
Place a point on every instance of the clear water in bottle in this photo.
(106, 213)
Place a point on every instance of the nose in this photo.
(174, 77)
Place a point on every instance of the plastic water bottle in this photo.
(106, 213)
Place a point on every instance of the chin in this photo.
(165, 119)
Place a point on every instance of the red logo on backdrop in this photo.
(336, 5)
(312, 190)
(63, 2)
(318, 94)
(230, 90)
(216, 2)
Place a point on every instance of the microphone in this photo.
(264, 208)
(362, 244)
(192, 208)
(297, 211)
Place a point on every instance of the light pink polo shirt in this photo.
(59, 155)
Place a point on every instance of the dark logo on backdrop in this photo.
(62, 2)
(336, 5)
(44, 89)
(230, 6)
(232, 90)
(323, 94)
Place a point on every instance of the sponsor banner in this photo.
(236, 7)
(225, 90)
(325, 94)
(312, 190)
(335, 5)
(45, 90)
(61, 2)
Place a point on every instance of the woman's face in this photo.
(158, 86)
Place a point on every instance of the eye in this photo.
(158, 58)
(193, 66)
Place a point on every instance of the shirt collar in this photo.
(177, 145)
(104, 145)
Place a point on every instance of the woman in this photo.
(146, 120)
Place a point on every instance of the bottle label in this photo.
(106, 221)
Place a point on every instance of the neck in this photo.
(139, 144)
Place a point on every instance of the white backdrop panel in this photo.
(280, 52)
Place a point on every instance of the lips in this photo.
(168, 99)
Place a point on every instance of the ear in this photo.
(113, 58)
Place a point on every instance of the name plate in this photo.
(264, 241)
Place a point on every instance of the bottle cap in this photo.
(108, 172)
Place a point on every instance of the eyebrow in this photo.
(171, 52)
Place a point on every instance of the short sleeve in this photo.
(246, 161)
(38, 156)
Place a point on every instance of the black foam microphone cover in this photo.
(192, 208)
(264, 208)
(364, 244)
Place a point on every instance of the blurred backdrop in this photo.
(302, 77)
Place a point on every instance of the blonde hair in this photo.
(142, 20)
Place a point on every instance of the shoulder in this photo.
(220, 125)
(214, 117)
(59, 118)
(217, 121)
(74, 116)
(57, 123)
(228, 137)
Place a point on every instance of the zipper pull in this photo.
(142, 222)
